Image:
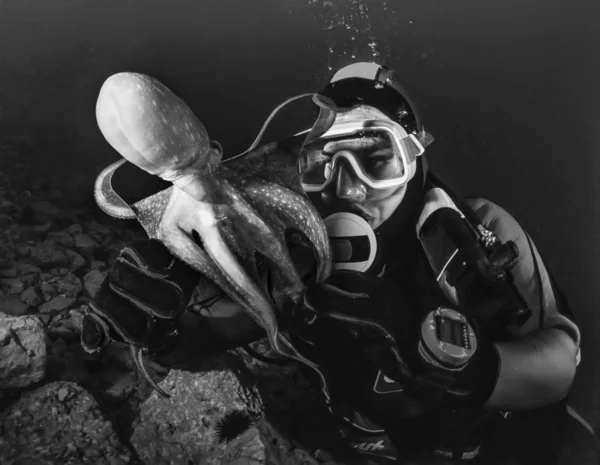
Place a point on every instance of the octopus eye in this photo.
(198, 240)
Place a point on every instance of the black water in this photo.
(507, 88)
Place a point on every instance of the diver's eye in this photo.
(378, 163)
(380, 158)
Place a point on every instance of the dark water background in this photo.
(507, 88)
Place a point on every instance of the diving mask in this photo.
(379, 150)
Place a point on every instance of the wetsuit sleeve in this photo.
(538, 366)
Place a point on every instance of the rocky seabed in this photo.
(60, 405)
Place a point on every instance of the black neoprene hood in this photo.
(390, 98)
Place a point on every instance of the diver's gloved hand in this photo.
(470, 386)
(369, 308)
(140, 299)
(473, 385)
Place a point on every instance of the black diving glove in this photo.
(475, 383)
(470, 386)
(140, 300)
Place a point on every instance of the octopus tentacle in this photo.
(297, 212)
(214, 258)
(215, 217)
(107, 199)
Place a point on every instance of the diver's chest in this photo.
(416, 282)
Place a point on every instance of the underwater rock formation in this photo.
(60, 405)
(182, 429)
(59, 423)
(22, 351)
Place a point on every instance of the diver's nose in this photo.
(348, 186)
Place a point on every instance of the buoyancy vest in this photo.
(467, 268)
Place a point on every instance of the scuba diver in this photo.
(441, 333)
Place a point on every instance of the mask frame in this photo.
(337, 122)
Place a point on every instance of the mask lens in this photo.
(312, 165)
(375, 153)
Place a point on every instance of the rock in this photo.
(60, 272)
(5, 219)
(70, 286)
(172, 431)
(85, 245)
(62, 238)
(44, 212)
(77, 261)
(76, 317)
(32, 297)
(27, 268)
(12, 285)
(249, 448)
(14, 232)
(57, 304)
(92, 282)
(59, 423)
(41, 230)
(45, 318)
(97, 265)
(5, 205)
(9, 273)
(48, 255)
(23, 250)
(48, 291)
(30, 279)
(12, 305)
(63, 393)
(99, 229)
(23, 353)
(74, 230)
(102, 237)
(47, 277)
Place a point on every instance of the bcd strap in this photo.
(499, 259)
(479, 255)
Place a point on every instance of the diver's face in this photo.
(348, 193)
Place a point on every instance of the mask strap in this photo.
(425, 138)
(415, 144)
(266, 125)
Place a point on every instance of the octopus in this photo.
(218, 216)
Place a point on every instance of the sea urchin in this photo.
(232, 425)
